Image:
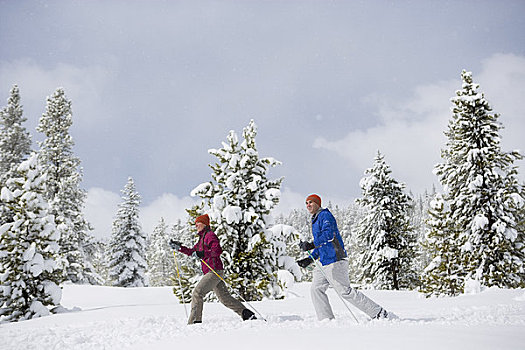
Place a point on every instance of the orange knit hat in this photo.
(205, 219)
(314, 198)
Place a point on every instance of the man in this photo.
(328, 247)
(208, 251)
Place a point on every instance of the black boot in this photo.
(248, 315)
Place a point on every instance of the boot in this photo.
(248, 315)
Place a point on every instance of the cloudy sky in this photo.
(155, 84)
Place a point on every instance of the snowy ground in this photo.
(151, 318)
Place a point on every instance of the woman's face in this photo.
(200, 226)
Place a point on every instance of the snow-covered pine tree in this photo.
(444, 275)
(285, 241)
(299, 220)
(239, 198)
(63, 192)
(99, 258)
(127, 248)
(482, 191)
(419, 215)
(15, 141)
(160, 259)
(29, 272)
(351, 219)
(385, 231)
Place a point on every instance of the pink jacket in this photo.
(209, 244)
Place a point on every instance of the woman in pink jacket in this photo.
(208, 249)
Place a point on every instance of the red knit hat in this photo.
(205, 219)
(314, 198)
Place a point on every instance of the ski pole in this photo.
(240, 296)
(331, 284)
(180, 284)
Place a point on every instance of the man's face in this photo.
(311, 206)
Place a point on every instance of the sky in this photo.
(155, 84)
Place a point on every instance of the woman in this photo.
(208, 251)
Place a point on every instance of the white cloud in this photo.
(289, 200)
(294, 200)
(100, 210)
(167, 206)
(83, 85)
(503, 82)
(410, 133)
(102, 205)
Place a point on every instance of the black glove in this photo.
(175, 245)
(199, 254)
(304, 262)
(306, 245)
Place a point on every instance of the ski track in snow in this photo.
(72, 331)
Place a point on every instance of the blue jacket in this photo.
(329, 246)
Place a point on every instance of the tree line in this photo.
(470, 234)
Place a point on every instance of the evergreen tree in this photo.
(29, 272)
(482, 191)
(128, 242)
(63, 192)
(286, 248)
(161, 264)
(299, 219)
(419, 216)
(240, 198)
(353, 245)
(15, 141)
(98, 254)
(385, 230)
(444, 274)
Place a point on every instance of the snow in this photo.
(472, 286)
(6, 195)
(232, 214)
(479, 222)
(152, 318)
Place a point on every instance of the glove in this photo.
(306, 245)
(199, 254)
(175, 245)
(304, 262)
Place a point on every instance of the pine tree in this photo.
(482, 191)
(63, 192)
(444, 274)
(353, 245)
(240, 197)
(385, 230)
(285, 241)
(128, 242)
(419, 216)
(15, 141)
(29, 272)
(299, 219)
(160, 259)
(99, 259)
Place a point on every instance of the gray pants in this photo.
(210, 282)
(338, 276)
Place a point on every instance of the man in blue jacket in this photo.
(329, 248)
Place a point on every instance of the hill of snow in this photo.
(152, 318)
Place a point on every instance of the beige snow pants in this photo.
(211, 282)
